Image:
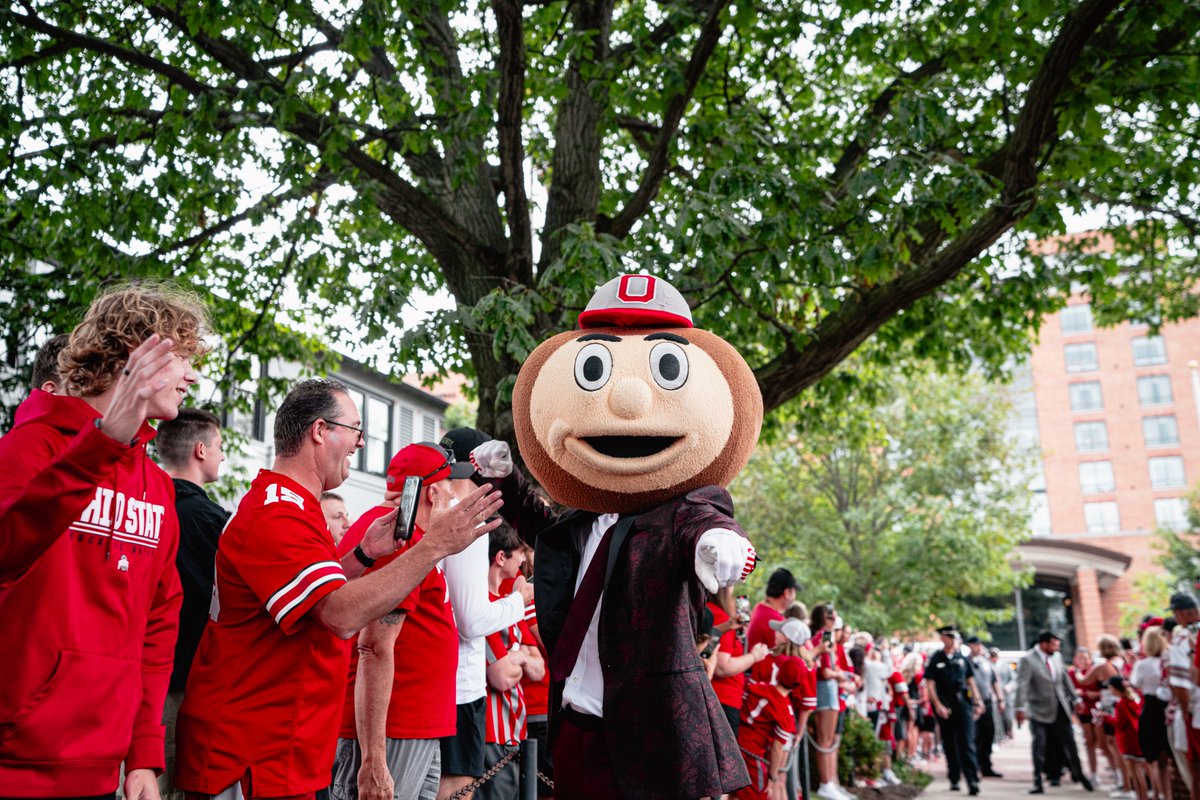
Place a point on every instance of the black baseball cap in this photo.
(948, 630)
(974, 640)
(1182, 601)
(780, 581)
(460, 442)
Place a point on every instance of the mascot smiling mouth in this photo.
(629, 446)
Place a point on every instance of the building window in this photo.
(376, 415)
(1155, 390)
(1082, 357)
(1086, 396)
(1091, 437)
(429, 429)
(1096, 476)
(1171, 513)
(1148, 350)
(1160, 431)
(1076, 319)
(1167, 472)
(1102, 517)
(377, 430)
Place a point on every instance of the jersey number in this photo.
(275, 494)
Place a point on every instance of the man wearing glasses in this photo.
(264, 697)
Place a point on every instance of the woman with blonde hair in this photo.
(1147, 678)
(87, 560)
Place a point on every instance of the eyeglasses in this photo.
(448, 454)
(349, 427)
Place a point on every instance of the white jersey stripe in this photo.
(758, 709)
(296, 580)
(333, 576)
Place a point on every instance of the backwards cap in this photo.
(636, 301)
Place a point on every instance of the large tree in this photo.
(905, 511)
(809, 174)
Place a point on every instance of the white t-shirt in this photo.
(1147, 675)
(476, 616)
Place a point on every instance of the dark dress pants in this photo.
(985, 737)
(958, 739)
(1057, 733)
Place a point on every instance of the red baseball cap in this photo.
(790, 672)
(427, 461)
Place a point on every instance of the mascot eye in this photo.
(593, 367)
(669, 365)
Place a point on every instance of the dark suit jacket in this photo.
(667, 736)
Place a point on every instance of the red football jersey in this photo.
(426, 656)
(265, 688)
(506, 713)
(766, 717)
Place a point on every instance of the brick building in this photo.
(1116, 415)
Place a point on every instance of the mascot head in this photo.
(636, 407)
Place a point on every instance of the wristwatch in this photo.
(362, 556)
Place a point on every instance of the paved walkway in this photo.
(1014, 761)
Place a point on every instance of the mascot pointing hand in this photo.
(636, 421)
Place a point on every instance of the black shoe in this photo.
(954, 787)
(1055, 782)
(973, 789)
(1037, 789)
(991, 773)
(1086, 784)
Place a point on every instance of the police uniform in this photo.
(949, 675)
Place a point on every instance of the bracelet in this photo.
(362, 556)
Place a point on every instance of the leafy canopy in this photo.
(809, 174)
(904, 512)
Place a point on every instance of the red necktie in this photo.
(1050, 667)
(579, 617)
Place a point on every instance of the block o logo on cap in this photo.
(636, 301)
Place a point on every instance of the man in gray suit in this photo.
(1045, 695)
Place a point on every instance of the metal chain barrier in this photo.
(549, 783)
(487, 776)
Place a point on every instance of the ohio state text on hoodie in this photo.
(89, 601)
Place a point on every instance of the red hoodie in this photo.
(89, 601)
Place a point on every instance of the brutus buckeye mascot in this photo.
(636, 421)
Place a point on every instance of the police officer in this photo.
(956, 703)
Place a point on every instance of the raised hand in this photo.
(139, 381)
(452, 528)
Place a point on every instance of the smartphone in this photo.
(828, 638)
(406, 518)
(714, 639)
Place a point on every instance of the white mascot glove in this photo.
(723, 558)
(493, 459)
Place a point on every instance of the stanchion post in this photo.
(529, 762)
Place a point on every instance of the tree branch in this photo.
(656, 168)
(842, 331)
(104, 47)
(511, 66)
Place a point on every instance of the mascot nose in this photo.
(630, 398)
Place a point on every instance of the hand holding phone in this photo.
(406, 519)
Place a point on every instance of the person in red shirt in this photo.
(768, 730)
(265, 691)
(400, 696)
(89, 593)
(729, 678)
(512, 658)
(1124, 720)
(781, 593)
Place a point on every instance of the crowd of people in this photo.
(288, 650)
